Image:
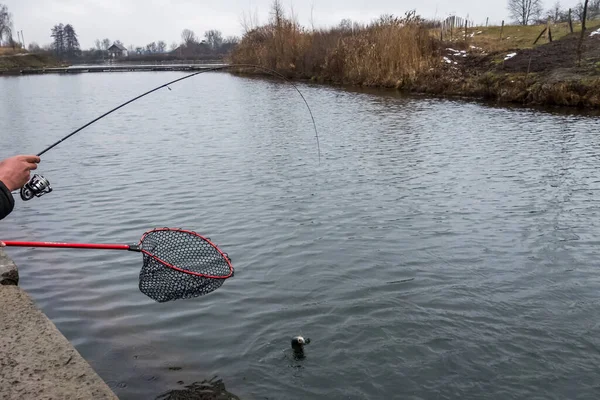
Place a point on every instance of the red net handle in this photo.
(72, 245)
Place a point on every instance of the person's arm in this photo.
(14, 174)
(7, 202)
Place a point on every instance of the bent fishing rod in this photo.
(39, 185)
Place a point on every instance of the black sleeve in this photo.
(7, 202)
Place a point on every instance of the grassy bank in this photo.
(14, 63)
(406, 53)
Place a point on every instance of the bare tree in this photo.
(162, 46)
(5, 24)
(277, 21)
(214, 39)
(229, 43)
(34, 47)
(151, 48)
(189, 37)
(345, 25)
(556, 11)
(249, 22)
(174, 46)
(556, 14)
(593, 10)
(277, 13)
(525, 11)
(106, 44)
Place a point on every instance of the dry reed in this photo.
(388, 52)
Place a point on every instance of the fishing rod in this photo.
(39, 185)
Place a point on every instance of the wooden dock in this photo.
(78, 69)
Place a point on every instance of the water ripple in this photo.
(441, 249)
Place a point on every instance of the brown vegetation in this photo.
(407, 53)
(389, 52)
(8, 51)
(18, 62)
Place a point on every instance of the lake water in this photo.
(441, 249)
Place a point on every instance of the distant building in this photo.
(117, 51)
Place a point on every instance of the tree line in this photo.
(6, 25)
(65, 43)
(189, 46)
(525, 12)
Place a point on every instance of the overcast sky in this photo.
(139, 22)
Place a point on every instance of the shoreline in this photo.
(578, 91)
(527, 98)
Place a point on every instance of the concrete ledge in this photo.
(9, 273)
(36, 360)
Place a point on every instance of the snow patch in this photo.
(509, 56)
(595, 33)
(447, 60)
(458, 53)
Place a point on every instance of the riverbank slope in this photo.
(493, 63)
(547, 75)
(14, 63)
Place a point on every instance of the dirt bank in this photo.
(17, 62)
(548, 74)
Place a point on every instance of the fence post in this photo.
(580, 44)
(466, 28)
(570, 21)
(540, 35)
(501, 29)
(486, 21)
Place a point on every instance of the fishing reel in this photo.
(36, 187)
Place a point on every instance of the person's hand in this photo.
(15, 171)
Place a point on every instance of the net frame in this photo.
(225, 256)
(164, 281)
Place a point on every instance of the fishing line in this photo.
(38, 185)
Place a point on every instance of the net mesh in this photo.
(172, 261)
